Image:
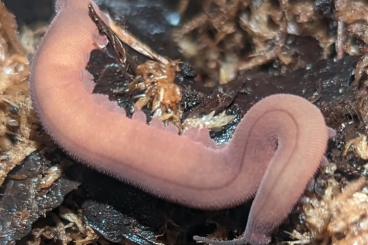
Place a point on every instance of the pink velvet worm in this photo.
(274, 152)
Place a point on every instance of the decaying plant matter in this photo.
(210, 121)
(232, 36)
(157, 80)
(360, 146)
(353, 14)
(124, 56)
(154, 78)
(16, 115)
(340, 217)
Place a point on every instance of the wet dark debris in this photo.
(114, 225)
(115, 210)
(23, 200)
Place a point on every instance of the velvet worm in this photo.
(274, 152)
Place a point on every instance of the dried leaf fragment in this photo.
(360, 145)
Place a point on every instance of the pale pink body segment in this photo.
(163, 163)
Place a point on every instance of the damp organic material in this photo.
(275, 150)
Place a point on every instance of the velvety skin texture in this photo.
(274, 152)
